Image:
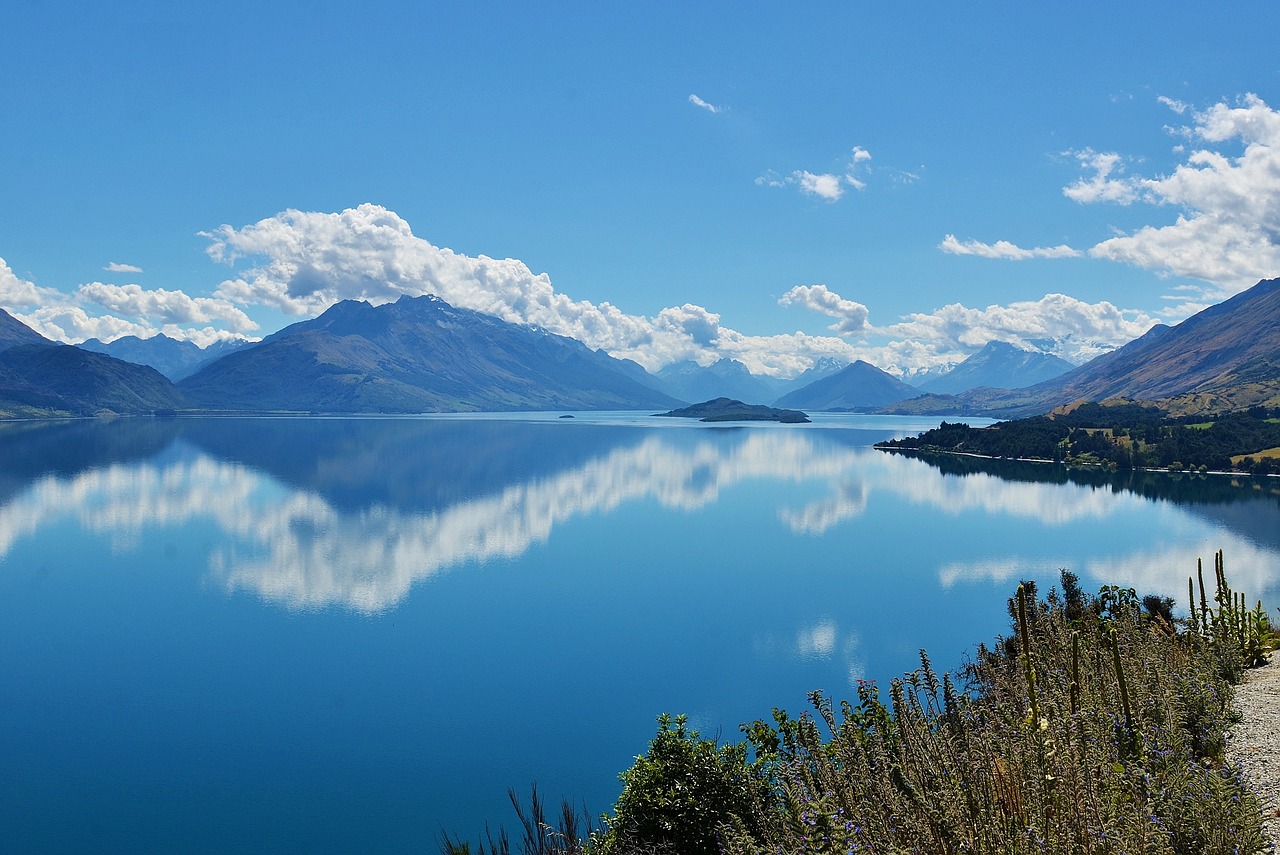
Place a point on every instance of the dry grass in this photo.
(1270, 452)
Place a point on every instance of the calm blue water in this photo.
(332, 635)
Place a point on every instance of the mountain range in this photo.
(859, 386)
(418, 354)
(59, 379)
(173, 358)
(1226, 357)
(424, 355)
(998, 365)
(724, 378)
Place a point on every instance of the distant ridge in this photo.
(417, 355)
(724, 378)
(999, 364)
(1225, 357)
(858, 386)
(173, 358)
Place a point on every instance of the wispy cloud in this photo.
(117, 267)
(709, 107)
(1004, 249)
(829, 186)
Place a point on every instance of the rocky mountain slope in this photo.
(858, 386)
(417, 355)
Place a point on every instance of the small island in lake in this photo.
(729, 410)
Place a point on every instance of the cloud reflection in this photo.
(849, 501)
(295, 547)
(306, 540)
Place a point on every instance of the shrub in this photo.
(682, 791)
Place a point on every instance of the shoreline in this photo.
(1069, 464)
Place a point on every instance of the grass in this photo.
(1098, 725)
(1269, 452)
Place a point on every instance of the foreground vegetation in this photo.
(1097, 726)
(1125, 435)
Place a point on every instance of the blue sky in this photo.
(771, 182)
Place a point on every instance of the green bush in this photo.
(681, 793)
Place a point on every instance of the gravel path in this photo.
(1255, 741)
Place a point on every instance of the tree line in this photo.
(1124, 436)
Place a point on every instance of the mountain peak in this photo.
(858, 386)
(418, 354)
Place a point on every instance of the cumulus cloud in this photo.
(169, 307)
(116, 267)
(1056, 323)
(1229, 207)
(829, 186)
(1073, 329)
(1101, 186)
(698, 102)
(16, 292)
(851, 316)
(67, 317)
(824, 185)
(1004, 249)
(303, 262)
(1226, 193)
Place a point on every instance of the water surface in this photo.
(345, 634)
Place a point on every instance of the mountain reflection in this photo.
(1244, 514)
(315, 554)
(354, 512)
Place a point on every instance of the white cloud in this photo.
(829, 186)
(15, 291)
(1079, 330)
(848, 501)
(698, 102)
(1226, 231)
(72, 318)
(70, 323)
(852, 317)
(1101, 186)
(1004, 249)
(116, 267)
(303, 262)
(170, 307)
(824, 185)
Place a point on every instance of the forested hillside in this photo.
(1127, 436)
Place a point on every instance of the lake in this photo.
(345, 634)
